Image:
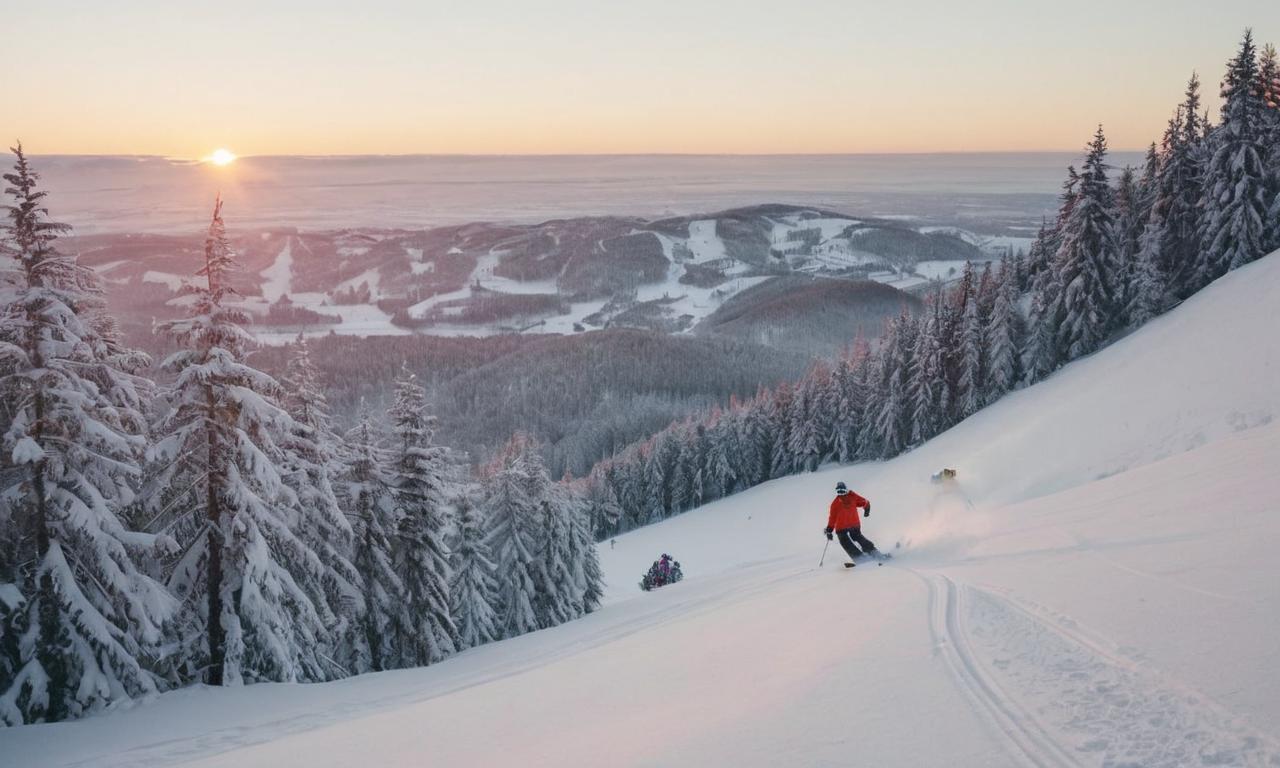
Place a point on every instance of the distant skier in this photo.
(846, 524)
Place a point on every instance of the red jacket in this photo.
(844, 512)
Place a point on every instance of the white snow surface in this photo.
(279, 276)
(703, 241)
(1099, 587)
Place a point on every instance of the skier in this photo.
(844, 522)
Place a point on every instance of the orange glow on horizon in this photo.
(221, 157)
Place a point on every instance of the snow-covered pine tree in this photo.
(804, 442)
(511, 512)
(365, 495)
(892, 424)
(425, 632)
(1269, 90)
(1269, 78)
(844, 419)
(245, 576)
(1129, 225)
(1051, 237)
(1180, 189)
(309, 466)
(681, 480)
(603, 510)
(985, 294)
(90, 618)
(859, 392)
(665, 454)
(751, 464)
(583, 560)
(874, 379)
(1041, 355)
(1149, 288)
(972, 357)
(1236, 189)
(472, 589)
(780, 459)
(1086, 262)
(1003, 339)
(1039, 257)
(556, 598)
(927, 385)
(654, 508)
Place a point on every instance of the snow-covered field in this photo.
(1099, 588)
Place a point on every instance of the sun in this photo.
(222, 157)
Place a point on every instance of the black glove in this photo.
(828, 532)
(866, 512)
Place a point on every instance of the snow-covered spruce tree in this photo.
(425, 632)
(1041, 355)
(89, 618)
(665, 454)
(1130, 220)
(1086, 262)
(310, 465)
(892, 423)
(781, 462)
(248, 582)
(1269, 91)
(653, 508)
(875, 381)
(602, 501)
(584, 561)
(365, 496)
(805, 438)
(927, 387)
(1149, 286)
(681, 480)
(557, 597)
(1179, 192)
(843, 435)
(511, 514)
(749, 445)
(972, 356)
(1003, 339)
(1236, 188)
(718, 472)
(472, 589)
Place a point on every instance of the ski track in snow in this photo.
(1060, 698)
(1022, 734)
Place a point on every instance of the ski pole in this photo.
(824, 552)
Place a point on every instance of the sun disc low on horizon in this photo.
(222, 157)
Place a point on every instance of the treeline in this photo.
(215, 528)
(585, 396)
(1119, 253)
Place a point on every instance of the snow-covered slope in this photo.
(1100, 588)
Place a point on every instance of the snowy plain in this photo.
(1100, 587)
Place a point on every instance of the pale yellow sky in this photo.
(571, 76)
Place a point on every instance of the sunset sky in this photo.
(591, 76)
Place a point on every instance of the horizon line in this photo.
(394, 155)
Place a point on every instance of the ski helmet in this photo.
(841, 488)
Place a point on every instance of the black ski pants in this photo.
(851, 538)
